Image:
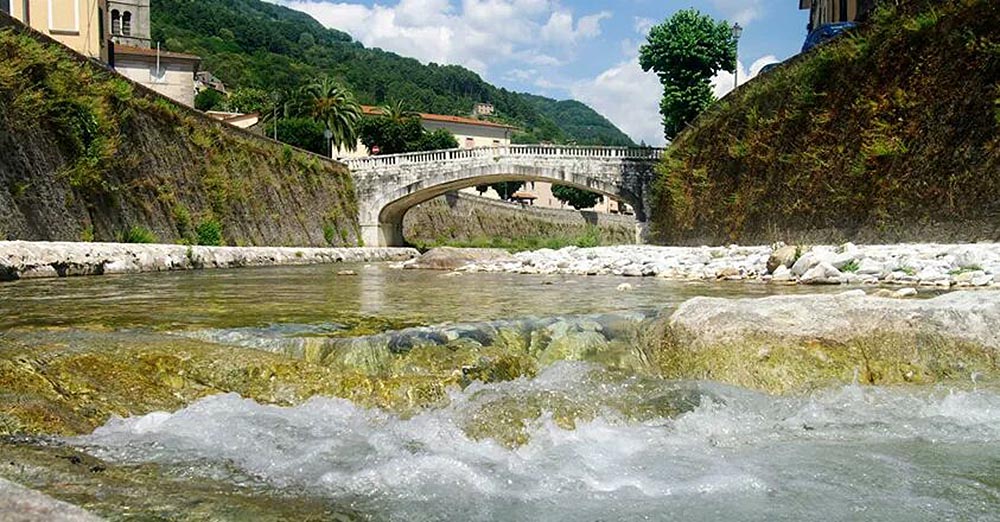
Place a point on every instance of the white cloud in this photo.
(741, 11)
(627, 96)
(630, 98)
(723, 82)
(478, 34)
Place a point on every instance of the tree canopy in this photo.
(686, 51)
(256, 44)
(397, 130)
(577, 198)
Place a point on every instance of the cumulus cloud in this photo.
(630, 98)
(478, 34)
(741, 11)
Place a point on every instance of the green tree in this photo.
(335, 107)
(439, 139)
(304, 133)
(209, 99)
(686, 51)
(248, 100)
(505, 189)
(577, 198)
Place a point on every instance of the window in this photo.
(5, 6)
(127, 23)
(116, 22)
(470, 143)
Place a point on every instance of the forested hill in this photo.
(250, 43)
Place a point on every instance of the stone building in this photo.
(129, 22)
(77, 24)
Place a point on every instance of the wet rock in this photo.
(625, 287)
(447, 258)
(20, 504)
(782, 274)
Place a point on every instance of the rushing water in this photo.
(849, 453)
(579, 441)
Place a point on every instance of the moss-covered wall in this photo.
(462, 219)
(890, 134)
(88, 155)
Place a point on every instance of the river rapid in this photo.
(580, 429)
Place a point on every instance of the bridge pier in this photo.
(382, 235)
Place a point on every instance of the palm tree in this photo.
(397, 112)
(334, 106)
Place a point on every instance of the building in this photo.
(170, 74)
(237, 119)
(822, 12)
(129, 22)
(77, 24)
(206, 80)
(469, 132)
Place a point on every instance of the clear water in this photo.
(578, 442)
(845, 454)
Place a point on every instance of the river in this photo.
(485, 397)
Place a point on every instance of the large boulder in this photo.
(448, 258)
(784, 256)
(970, 317)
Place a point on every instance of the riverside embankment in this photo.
(32, 260)
(937, 265)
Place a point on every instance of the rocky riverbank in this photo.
(28, 260)
(936, 265)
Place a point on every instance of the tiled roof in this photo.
(443, 118)
(143, 51)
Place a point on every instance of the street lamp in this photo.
(328, 136)
(737, 33)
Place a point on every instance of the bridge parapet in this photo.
(624, 153)
(388, 186)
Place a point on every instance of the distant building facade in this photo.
(170, 74)
(77, 24)
(822, 12)
(206, 80)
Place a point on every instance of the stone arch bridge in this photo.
(388, 186)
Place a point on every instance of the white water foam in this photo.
(847, 454)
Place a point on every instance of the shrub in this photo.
(209, 233)
(139, 234)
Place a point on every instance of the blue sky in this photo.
(585, 50)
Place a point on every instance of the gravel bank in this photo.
(27, 260)
(968, 265)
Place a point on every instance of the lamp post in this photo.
(737, 33)
(328, 136)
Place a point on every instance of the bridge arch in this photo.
(389, 186)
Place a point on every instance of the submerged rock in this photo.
(20, 504)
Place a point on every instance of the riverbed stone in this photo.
(20, 504)
(972, 317)
(782, 257)
(823, 273)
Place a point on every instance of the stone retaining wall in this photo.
(27, 260)
(463, 217)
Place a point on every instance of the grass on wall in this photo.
(892, 127)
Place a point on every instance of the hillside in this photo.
(88, 155)
(891, 134)
(251, 43)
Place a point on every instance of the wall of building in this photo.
(76, 24)
(139, 30)
(471, 136)
(548, 200)
(175, 81)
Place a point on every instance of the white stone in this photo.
(822, 274)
